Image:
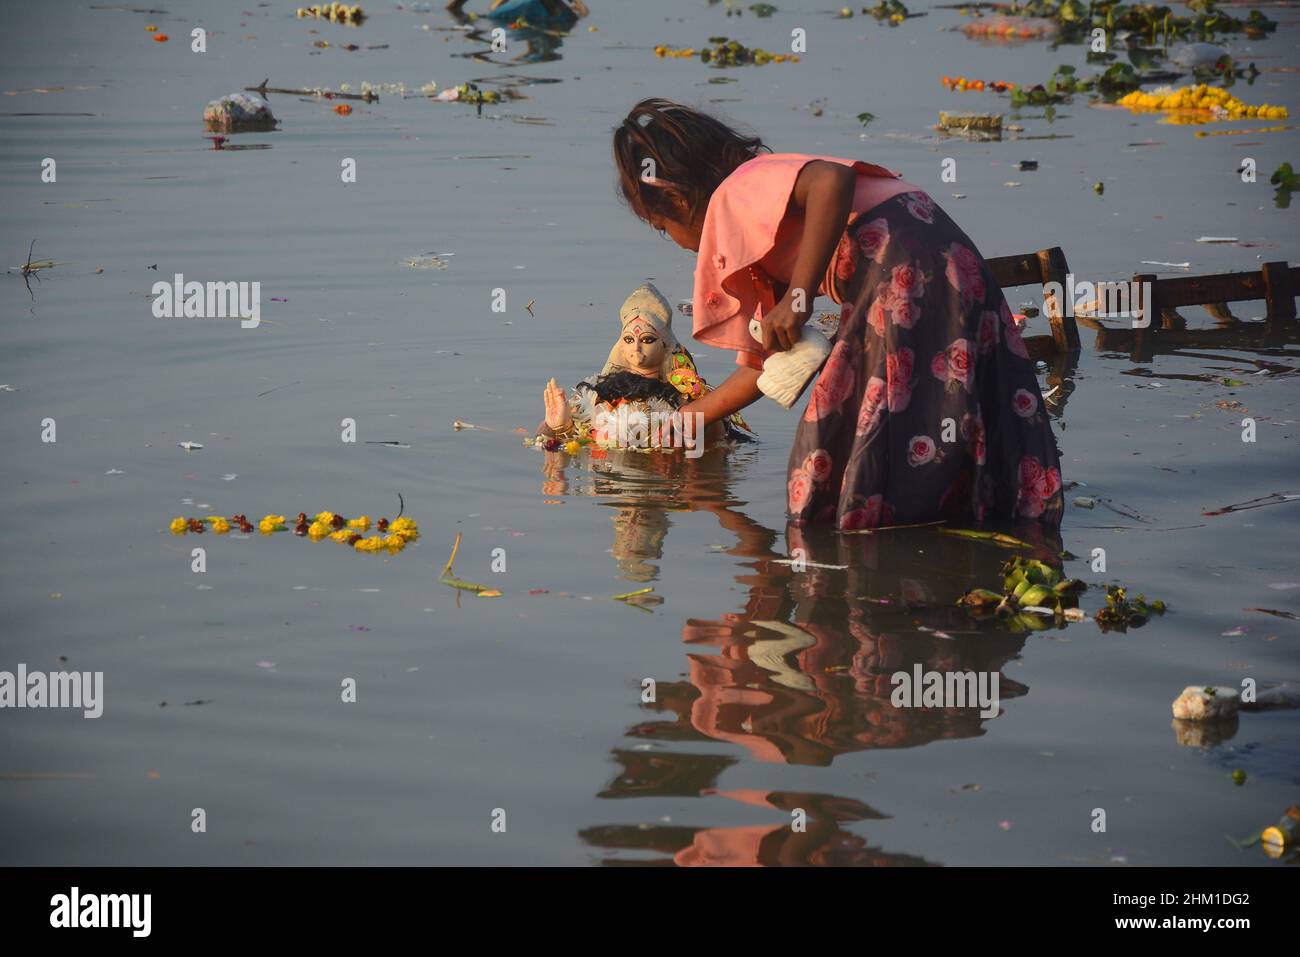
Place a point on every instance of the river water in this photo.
(223, 689)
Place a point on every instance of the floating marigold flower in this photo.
(343, 535)
(394, 543)
(319, 530)
(362, 523)
(271, 524)
(219, 525)
(373, 544)
(179, 526)
(326, 517)
(405, 528)
(343, 109)
(160, 38)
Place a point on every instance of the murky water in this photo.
(772, 685)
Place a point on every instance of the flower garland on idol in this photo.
(393, 535)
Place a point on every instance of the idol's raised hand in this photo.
(557, 407)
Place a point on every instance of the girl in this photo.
(928, 406)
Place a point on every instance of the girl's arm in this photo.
(737, 391)
(824, 191)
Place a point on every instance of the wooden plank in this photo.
(1151, 312)
(1224, 287)
(1020, 270)
(1053, 268)
(1279, 290)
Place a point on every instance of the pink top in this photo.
(746, 222)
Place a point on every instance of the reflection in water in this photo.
(1270, 337)
(799, 675)
(526, 42)
(821, 842)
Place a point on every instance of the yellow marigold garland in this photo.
(1203, 98)
(393, 536)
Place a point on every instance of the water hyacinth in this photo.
(1034, 596)
(725, 53)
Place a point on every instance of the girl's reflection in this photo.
(801, 674)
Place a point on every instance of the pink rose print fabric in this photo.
(928, 406)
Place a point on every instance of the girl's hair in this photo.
(692, 153)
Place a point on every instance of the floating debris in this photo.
(997, 538)
(725, 52)
(1011, 28)
(449, 578)
(1206, 704)
(1121, 614)
(1277, 498)
(428, 261)
(1284, 834)
(468, 93)
(971, 124)
(891, 11)
(367, 94)
(1213, 100)
(336, 13)
(1286, 180)
(961, 84)
(1193, 55)
(190, 446)
(1288, 615)
(238, 113)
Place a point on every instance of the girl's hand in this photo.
(557, 407)
(824, 191)
(783, 326)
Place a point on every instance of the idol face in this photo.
(642, 348)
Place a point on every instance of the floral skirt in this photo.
(928, 406)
